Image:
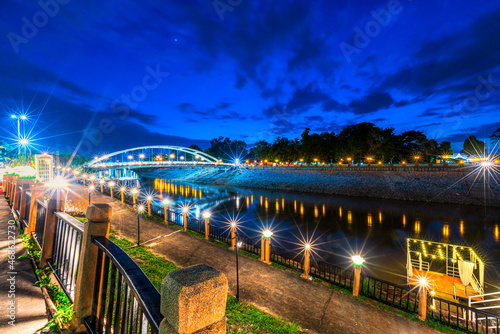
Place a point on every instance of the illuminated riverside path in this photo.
(313, 306)
(378, 228)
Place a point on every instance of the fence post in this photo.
(15, 193)
(49, 231)
(97, 224)
(193, 300)
(35, 194)
(22, 208)
(422, 302)
(4, 183)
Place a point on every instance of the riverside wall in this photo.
(427, 186)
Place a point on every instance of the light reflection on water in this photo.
(344, 225)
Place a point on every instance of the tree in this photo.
(495, 137)
(473, 146)
(260, 150)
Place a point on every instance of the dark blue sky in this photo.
(118, 74)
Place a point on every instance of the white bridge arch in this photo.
(132, 154)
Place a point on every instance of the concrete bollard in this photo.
(422, 302)
(98, 223)
(193, 300)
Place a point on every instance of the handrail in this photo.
(75, 223)
(42, 203)
(148, 297)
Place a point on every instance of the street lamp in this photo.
(149, 198)
(166, 202)
(266, 246)
(357, 261)
(238, 245)
(134, 196)
(91, 190)
(122, 190)
(140, 209)
(207, 215)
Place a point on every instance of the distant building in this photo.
(44, 167)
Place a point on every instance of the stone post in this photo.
(35, 194)
(98, 223)
(193, 300)
(22, 208)
(422, 302)
(357, 279)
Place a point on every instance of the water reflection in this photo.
(345, 224)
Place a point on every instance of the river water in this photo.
(342, 226)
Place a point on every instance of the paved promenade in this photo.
(315, 307)
(17, 284)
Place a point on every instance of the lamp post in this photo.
(92, 179)
(111, 187)
(91, 189)
(307, 261)
(140, 209)
(185, 212)
(84, 177)
(166, 202)
(122, 190)
(102, 186)
(238, 245)
(422, 298)
(357, 261)
(149, 198)
(266, 246)
(233, 235)
(134, 196)
(207, 215)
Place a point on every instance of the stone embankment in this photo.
(440, 186)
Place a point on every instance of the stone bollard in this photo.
(422, 302)
(97, 224)
(193, 300)
(36, 193)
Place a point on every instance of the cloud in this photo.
(333, 105)
(371, 103)
(314, 118)
(303, 98)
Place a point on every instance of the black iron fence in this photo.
(66, 250)
(41, 213)
(126, 301)
(26, 217)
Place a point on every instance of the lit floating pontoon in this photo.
(453, 270)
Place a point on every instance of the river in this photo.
(342, 226)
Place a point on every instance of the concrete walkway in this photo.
(315, 307)
(17, 284)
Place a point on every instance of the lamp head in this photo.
(91, 188)
(206, 214)
(122, 189)
(267, 233)
(357, 260)
(166, 202)
(134, 191)
(185, 209)
(149, 198)
(140, 208)
(111, 184)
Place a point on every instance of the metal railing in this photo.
(462, 317)
(126, 301)
(27, 210)
(41, 213)
(66, 251)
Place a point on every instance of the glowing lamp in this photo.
(134, 191)
(422, 281)
(122, 189)
(166, 202)
(130, 157)
(267, 233)
(92, 177)
(239, 244)
(84, 176)
(24, 142)
(111, 184)
(58, 183)
(101, 182)
(357, 260)
(149, 198)
(185, 209)
(140, 208)
(206, 214)
(91, 188)
(307, 246)
(233, 224)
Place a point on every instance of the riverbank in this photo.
(438, 187)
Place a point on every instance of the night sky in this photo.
(110, 75)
